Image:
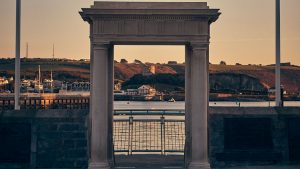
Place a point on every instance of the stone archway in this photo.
(149, 23)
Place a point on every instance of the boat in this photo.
(172, 100)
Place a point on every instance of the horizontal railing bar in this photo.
(149, 110)
(173, 151)
(169, 120)
(123, 151)
(146, 151)
(148, 120)
(152, 114)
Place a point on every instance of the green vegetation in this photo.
(162, 81)
(229, 78)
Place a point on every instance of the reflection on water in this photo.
(180, 104)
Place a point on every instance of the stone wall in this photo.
(58, 139)
(48, 139)
(254, 135)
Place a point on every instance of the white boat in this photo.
(172, 100)
(38, 87)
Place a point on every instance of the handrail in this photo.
(169, 112)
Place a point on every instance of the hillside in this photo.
(222, 77)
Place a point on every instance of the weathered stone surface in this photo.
(294, 139)
(252, 135)
(61, 139)
(15, 140)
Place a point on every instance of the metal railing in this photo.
(80, 102)
(149, 131)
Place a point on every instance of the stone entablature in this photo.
(118, 21)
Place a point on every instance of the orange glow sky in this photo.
(244, 33)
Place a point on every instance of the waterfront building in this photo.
(152, 69)
(132, 92)
(117, 85)
(80, 86)
(149, 70)
(3, 81)
(25, 83)
(146, 90)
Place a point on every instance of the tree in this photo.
(138, 61)
(222, 63)
(124, 61)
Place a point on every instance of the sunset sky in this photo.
(244, 33)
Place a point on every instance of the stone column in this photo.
(89, 120)
(99, 108)
(110, 105)
(187, 148)
(199, 107)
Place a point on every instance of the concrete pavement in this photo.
(175, 162)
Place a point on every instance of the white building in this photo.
(146, 90)
(132, 92)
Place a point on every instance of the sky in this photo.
(244, 33)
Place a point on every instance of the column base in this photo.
(198, 165)
(94, 165)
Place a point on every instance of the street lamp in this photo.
(278, 52)
(17, 59)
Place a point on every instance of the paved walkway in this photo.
(174, 162)
(149, 162)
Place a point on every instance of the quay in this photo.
(239, 138)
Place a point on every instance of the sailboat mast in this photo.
(39, 79)
(51, 74)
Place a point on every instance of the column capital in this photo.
(198, 46)
(101, 46)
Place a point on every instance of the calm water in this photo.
(180, 104)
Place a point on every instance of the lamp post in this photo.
(278, 52)
(17, 59)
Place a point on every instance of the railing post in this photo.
(25, 104)
(162, 134)
(34, 103)
(130, 135)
